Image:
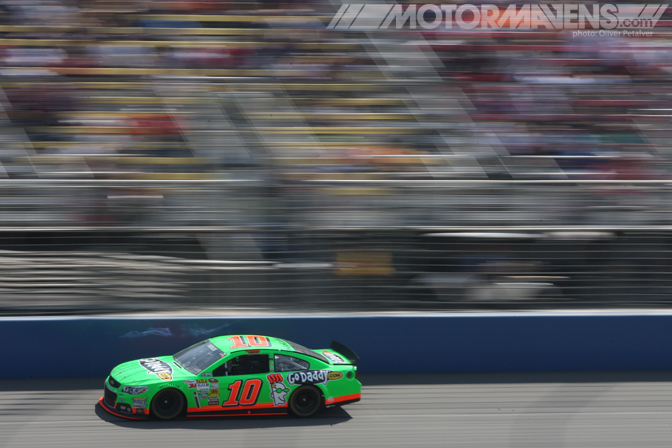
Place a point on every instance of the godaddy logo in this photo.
(367, 17)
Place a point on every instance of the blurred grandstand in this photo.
(162, 155)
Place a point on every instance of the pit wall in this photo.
(91, 347)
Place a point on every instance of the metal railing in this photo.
(241, 244)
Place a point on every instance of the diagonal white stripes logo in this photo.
(359, 17)
(365, 17)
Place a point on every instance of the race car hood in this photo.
(146, 370)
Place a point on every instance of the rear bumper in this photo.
(345, 399)
(118, 413)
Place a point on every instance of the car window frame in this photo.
(292, 355)
(234, 355)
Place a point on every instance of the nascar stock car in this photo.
(234, 375)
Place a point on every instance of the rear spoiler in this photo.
(345, 351)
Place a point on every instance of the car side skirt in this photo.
(255, 409)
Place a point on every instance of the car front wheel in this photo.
(305, 401)
(167, 404)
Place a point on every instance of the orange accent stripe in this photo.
(100, 402)
(232, 408)
(346, 398)
(233, 415)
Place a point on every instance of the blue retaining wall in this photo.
(90, 347)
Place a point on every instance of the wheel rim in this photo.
(167, 402)
(167, 405)
(305, 401)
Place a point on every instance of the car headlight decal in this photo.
(134, 390)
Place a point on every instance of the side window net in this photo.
(221, 370)
(248, 365)
(284, 363)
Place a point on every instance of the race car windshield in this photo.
(198, 357)
(306, 351)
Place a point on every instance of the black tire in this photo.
(167, 404)
(305, 401)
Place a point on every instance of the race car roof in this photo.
(231, 343)
(247, 342)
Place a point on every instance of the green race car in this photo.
(234, 375)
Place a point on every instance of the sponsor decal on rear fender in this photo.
(335, 376)
(333, 357)
(308, 377)
(159, 368)
(279, 390)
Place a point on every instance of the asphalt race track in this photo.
(629, 409)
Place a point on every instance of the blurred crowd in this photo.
(263, 94)
(253, 117)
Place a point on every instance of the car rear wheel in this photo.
(167, 404)
(305, 401)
